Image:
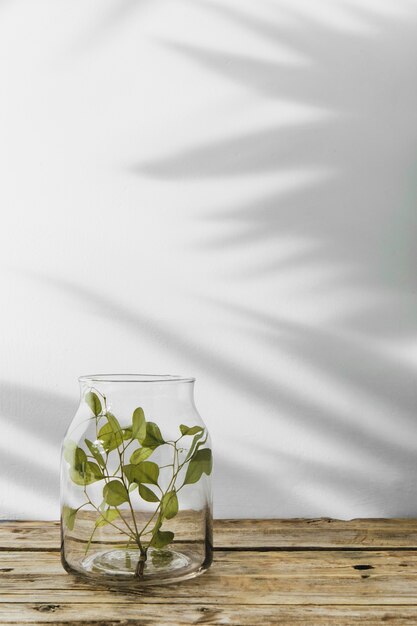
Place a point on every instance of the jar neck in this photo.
(139, 389)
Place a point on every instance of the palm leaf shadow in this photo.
(315, 417)
(357, 222)
(44, 415)
(365, 144)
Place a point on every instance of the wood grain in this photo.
(253, 534)
(265, 571)
(119, 614)
(255, 578)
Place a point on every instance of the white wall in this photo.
(225, 189)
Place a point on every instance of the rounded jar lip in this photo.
(135, 378)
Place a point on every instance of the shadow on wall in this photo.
(360, 224)
(33, 424)
(364, 219)
(118, 14)
(363, 373)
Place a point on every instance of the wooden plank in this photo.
(253, 534)
(30, 535)
(185, 615)
(244, 578)
(300, 572)
(325, 562)
(317, 533)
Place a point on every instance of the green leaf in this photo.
(145, 472)
(78, 479)
(190, 430)
(129, 472)
(201, 463)
(147, 494)
(117, 429)
(93, 402)
(115, 493)
(132, 487)
(69, 448)
(161, 538)
(80, 458)
(127, 434)
(107, 438)
(162, 558)
(153, 437)
(138, 424)
(111, 434)
(107, 517)
(195, 442)
(68, 516)
(141, 454)
(169, 504)
(95, 452)
(86, 473)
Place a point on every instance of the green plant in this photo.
(138, 478)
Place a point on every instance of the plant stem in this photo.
(141, 563)
(171, 485)
(107, 522)
(129, 501)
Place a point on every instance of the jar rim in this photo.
(135, 378)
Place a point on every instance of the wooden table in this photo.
(265, 572)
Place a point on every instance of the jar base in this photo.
(122, 563)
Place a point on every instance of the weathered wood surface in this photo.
(253, 534)
(265, 571)
(118, 614)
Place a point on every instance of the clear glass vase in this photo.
(136, 482)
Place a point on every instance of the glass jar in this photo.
(136, 481)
